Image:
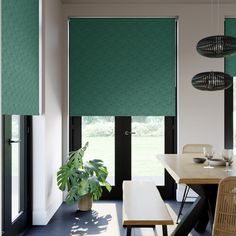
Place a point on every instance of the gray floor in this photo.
(105, 220)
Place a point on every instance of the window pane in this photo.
(147, 142)
(99, 132)
(15, 149)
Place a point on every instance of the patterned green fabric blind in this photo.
(20, 57)
(122, 67)
(230, 62)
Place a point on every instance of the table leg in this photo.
(201, 211)
(202, 222)
(203, 219)
(190, 219)
(209, 193)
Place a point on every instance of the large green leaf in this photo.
(66, 177)
(95, 187)
(81, 174)
(97, 167)
(72, 195)
(83, 187)
(108, 187)
(77, 191)
(102, 174)
(76, 157)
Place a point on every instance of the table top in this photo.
(184, 171)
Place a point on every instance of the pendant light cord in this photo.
(218, 20)
(212, 17)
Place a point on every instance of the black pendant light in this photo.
(214, 47)
(217, 46)
(212, 81)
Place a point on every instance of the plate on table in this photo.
(217, 162)
(199, 160)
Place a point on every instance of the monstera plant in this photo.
(83, 180)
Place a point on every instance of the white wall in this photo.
(200, 114)
(47, 128)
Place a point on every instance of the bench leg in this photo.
(129, 228)
(164, 230)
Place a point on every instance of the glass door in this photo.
(14, 142)
(127, 145)
(16, 200)
(233, 103)
(99, 131)
(148, 140)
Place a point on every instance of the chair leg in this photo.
(186, 195)
(129, 228)
(164, 230)
(186, 190)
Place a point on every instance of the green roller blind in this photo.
(230, 62)
(122, 67)
(20, 57)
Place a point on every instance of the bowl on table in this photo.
(217, 162)
(199, 160)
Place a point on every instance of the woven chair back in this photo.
(196, 148)
(225, 213)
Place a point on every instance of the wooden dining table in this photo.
(204, 181)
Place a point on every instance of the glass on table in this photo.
(227, 155)
(208, 154)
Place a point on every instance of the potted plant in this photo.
(83, 180)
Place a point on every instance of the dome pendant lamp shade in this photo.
(217, 46)
(212, 81)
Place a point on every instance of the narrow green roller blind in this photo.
(230, 62)
(122, 67)
(20, 57)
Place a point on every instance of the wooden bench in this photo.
(144, 207)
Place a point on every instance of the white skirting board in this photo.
(180, 191)
(42, 216)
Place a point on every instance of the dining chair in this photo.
(225, 213)
(191, 148)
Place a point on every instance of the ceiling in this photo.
(149, 1)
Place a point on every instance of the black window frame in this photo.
(228, 118)
(168, 191)
(27, 181)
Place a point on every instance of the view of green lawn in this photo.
(147, 142)
(144, 151)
